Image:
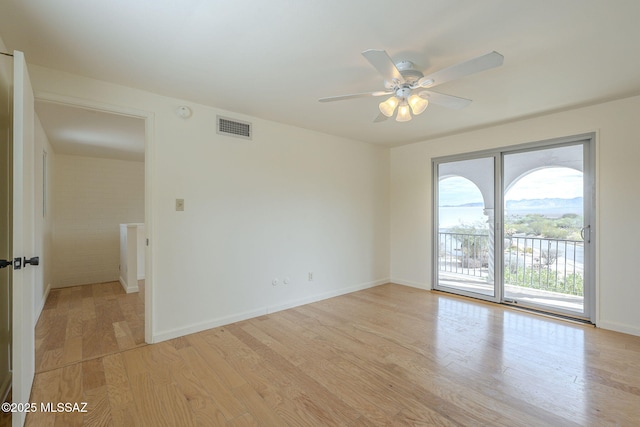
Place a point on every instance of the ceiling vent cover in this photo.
(233, 127)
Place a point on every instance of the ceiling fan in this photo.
(407, 85)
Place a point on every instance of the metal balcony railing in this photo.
(555, 265)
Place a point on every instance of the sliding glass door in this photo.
(465, 200)
(515, 226)
(546, 229)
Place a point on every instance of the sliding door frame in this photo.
(588, 140)
(497, 221)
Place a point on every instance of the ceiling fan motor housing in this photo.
(403, 92)
(409, 72)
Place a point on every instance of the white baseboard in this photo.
(203, 326)
(326, 295)
(412, 284)
(198, 327)
(619, 327)
(128, 289)
(42, 302)
(140, 277)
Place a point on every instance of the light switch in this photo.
(179, 204)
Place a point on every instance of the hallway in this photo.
(85, 322)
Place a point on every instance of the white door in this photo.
(6, 243)
(23, 235)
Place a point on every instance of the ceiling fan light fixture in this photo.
(418, 104)
(402, 78)
(404, 113)
(389, 106)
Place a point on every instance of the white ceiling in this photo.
(274, 59)
(83, 132)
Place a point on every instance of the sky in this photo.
(562, 183)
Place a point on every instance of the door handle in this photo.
(16, 263)
(587, 227)
(33, 261)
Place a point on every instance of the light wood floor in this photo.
(389, 355)
(84, 322)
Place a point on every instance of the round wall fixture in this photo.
(183, 111)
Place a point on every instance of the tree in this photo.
(473, 240)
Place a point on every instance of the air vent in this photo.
(232, 127)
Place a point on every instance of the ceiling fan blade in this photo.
(380, 118)
(355, 95)
(384, 64)
(481, 63)
(444, 100)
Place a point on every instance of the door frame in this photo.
(591, 301)
(149, 120)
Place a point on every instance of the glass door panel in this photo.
(544, 249)
(465, 227)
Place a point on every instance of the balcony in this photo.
(536, 270)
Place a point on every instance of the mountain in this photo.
(549, 203)
(531, 204)
(465, 205)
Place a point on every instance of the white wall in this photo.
(617, 203)
(287, 203)
(92, 197)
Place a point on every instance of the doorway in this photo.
(515, 226)
(100, 179)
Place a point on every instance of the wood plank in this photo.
(126, 416)
(227, 374)
(148, 404)
(117, 381)
(176, 409)
(70, 392)
(99, 409)
(93, 375)
(258, 408)
(91, 340)
(222, 396)
(123, 335)
(244, 420)
(46, 388)
(190, 386)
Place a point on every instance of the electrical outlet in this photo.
(310, 276)
(179, 204)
